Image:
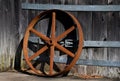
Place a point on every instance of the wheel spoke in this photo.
(65, 33)
(53, 25)
(40, 35)
(38, 53)
(61, 48)
(51, 59)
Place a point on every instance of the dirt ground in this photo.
(17, 76)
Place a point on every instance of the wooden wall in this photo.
(8, 34)
(98, 26)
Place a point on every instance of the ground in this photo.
(17, 76)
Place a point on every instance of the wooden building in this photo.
(96, 25)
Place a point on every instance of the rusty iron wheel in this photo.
(51, 43)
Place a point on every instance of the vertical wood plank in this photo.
(8, 35)
(99, 33)
(113, 35)
(85, 19)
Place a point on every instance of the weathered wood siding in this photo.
(98, 32)
(113, 28)
(8, 34)
(97, 26)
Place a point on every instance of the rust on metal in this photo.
(52, 42)
(83, 76)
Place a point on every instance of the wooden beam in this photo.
(101, 43)
(90, 62)
(113, 44)
(71, 7)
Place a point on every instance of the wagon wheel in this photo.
(52, 42)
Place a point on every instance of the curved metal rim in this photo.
(27, 33)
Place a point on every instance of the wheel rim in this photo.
(52, 42)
